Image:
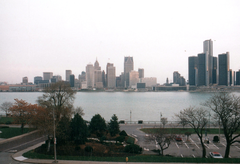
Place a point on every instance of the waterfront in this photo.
(144, 106)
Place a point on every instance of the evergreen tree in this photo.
(79, 130)
(113, 126)
(62, 131)
(97, 125)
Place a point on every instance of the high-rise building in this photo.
(47, 75)
(208, 51)
(214, 71)
(238, 78)
(128, 66)
(176, 77)
(141, 72)
(96, 65)
(68, 73)
(133, 79)
(111, 76)
(57, 78)
(25, 80)
(202, 73)
(232, 77)
(90, 75)
(97, 75)
(82, 76)
(72, 80)
(223, 74)
(192, 70)
(37, 79)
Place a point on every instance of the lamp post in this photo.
(160, 118)
(54, 136)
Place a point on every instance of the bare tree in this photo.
(197, 119)
(226, 108)
(162, 139)
(6, 106)
(164, 121)
(78, 110)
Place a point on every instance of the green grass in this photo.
(12, 132)
(180, 130)
(4, 120)
(136, 158)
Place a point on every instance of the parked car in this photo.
(215, 155)
(178, 138)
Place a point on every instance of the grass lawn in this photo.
(179, 130)
(135, 158)
(12, 132)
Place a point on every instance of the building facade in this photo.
(68, 73)
(133, 79)
(90, 75)
(111, 76)
(223, 74)
(128, 67)
(192, 70)
(202, 76)
(141, 72)
(47, 75)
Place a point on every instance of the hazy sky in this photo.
(52, 36)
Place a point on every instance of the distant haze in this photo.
(54, 36)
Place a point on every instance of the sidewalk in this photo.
(18, 157)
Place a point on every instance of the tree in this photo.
(58, 97)
(226, 108)
(63, 130)
(197, 119)
(97, 125)
(79, 130)
(6, 106)
(162, 138)
(113, 125)
(78, 110)
(23, 112)
(164, 121)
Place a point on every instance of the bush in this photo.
(123, 133)
(120, 138)
(131, 140)
(88, 149)
(8, 122)
(103, 138)
(133, 148)
(215, 139)
(77, 148)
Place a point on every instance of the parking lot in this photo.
(191, 148)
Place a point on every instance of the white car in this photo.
(215, 155)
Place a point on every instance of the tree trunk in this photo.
(22, 126)
(203, 150)
(49, 141)
(227, 150)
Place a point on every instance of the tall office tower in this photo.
(208, 51)
(25, 80)
(97, 75)
(72, 80)
(57, 77)
(238, 78)
(141, 72)
(223, 74)
(37, 79)
(192, 70)
(128, 66)
(90, 75)
(214, 71)
(231, 77)
(202, 73)
(111, 76)
(133, 78)
(96, 65)
(104, 79)
(47, 75)
(82, 76)
(176, 77)
(68, 73)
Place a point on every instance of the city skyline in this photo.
(56, 36)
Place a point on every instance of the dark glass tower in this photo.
(192, 70)
(72, 80)
(223, 74)
(202, 70)
(214, 71)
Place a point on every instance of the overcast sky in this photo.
(53, 36)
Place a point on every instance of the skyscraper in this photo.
(128, 66)
(47, 75)
(111, 76)
(238, 77)
(141, 72)
(214, 71)
(208, 51)
(68, 73)
(97, 74)
(192, 70)
(72, 80)
(90, 75)
(25, 80)
(202, 73)
(223, 74)
(133, 79)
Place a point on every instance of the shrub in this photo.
(77, 148)
(88, 149)
(133, 148)
(215, 139)
(8, 122)
(103, 138)
(120, 138)
(131, 140)
(123, 133)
